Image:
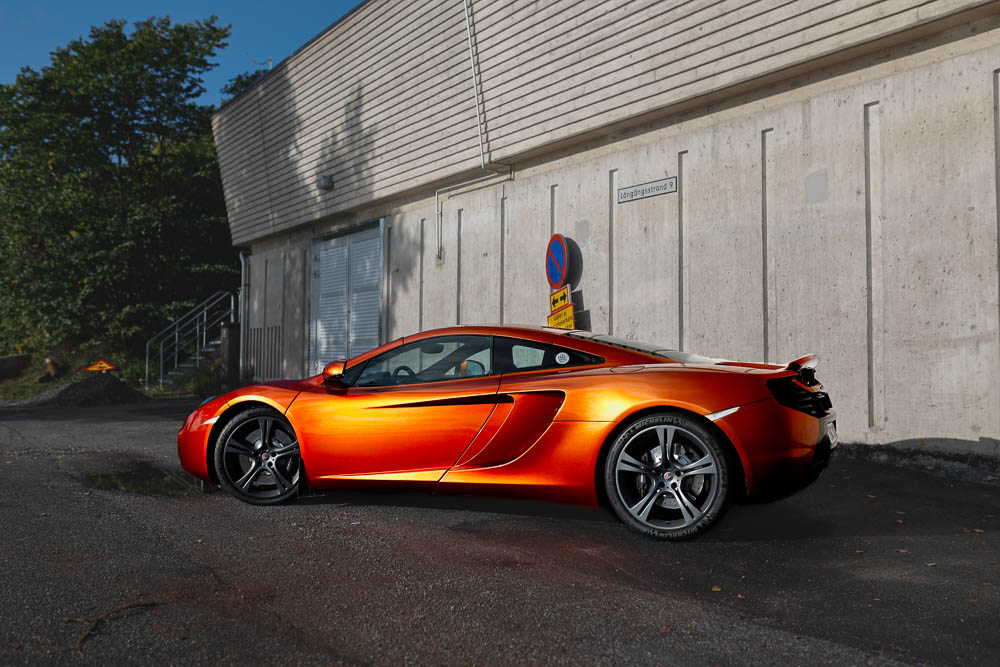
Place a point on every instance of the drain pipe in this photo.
(490, 173)
(475, 84)
(241, 306)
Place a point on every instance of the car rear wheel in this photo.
(667, 476)
(257, 457)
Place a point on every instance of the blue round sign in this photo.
(556, 264)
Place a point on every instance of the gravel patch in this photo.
(98, 389)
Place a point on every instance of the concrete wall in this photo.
(383, 101)
(854, 216)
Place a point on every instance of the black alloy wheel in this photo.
(257, 457)
(667, 476)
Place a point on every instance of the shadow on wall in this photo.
(348, 160)
(580, 313)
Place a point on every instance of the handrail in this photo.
(217, 297)
(187, 331)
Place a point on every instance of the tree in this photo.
(239, 83)
(111, 209)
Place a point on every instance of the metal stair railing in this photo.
(188, 337)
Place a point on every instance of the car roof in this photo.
(533, 332)
(583, 342)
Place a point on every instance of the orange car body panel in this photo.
(419, 427)
(536, 434)
(193, 439)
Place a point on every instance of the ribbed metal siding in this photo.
(346, 297)
(549, 72)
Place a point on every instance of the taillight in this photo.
(788, 391)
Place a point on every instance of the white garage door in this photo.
(346, 297)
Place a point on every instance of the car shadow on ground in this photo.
(851, 499)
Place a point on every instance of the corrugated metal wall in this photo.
(382, 102)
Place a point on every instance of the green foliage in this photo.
(112, 218)
(239, 83)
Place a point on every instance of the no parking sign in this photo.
(556, 262)
(557, 273)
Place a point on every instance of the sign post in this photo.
(557, 273)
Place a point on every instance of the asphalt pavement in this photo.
(113, 555)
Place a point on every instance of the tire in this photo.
(672, 497)
(257, 458)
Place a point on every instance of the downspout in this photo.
(242, 308)
(490, 173)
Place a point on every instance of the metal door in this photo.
(345, 297)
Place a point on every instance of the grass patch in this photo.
(207, 380)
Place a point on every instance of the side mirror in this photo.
(333, 371)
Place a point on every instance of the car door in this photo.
(407, 415)
(529, 397)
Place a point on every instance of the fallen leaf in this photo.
(666, 628)
(902, 551)
(739, 595)
(899, 521)
(716, 589)
(930, 564)
(900, 513)
(978, 530)
(871, 496)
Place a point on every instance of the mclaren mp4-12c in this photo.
(665, 438)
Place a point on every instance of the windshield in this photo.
(647, 348)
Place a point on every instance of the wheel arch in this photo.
(223, 420)
(735, 456)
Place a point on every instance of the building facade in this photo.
(836, 169)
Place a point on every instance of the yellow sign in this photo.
(101, 366)
(563, 318)
(559, 298)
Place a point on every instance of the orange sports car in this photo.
(667, 438)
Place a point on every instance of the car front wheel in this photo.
(257, 457)
(667, 476)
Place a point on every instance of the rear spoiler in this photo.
(805, 369)
(808, 361)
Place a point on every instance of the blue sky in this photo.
(30, 30)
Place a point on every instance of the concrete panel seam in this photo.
(996, 162)
(680, 250)
(458, 270)
(552, 209)
(873, 260)
(420, 294)
(503, 245)
(765, 295)
(612, 188)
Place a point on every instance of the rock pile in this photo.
(98, 389)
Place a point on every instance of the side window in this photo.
(513, 355)
(430, 360)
